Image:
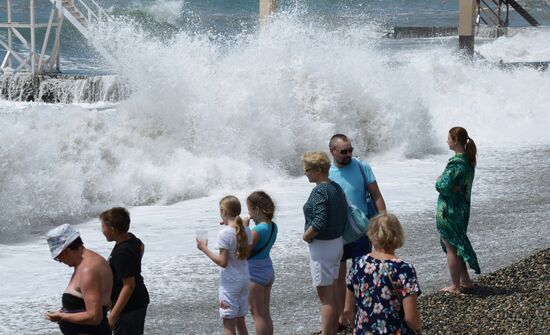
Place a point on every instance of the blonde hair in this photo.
(316, 160)
(385, 232)
(263, 202)
(232, 207)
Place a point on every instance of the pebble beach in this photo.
(512, 300)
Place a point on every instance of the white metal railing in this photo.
(89, 9)
(31, 57)
(100, 14)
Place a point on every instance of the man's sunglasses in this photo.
(346, 151)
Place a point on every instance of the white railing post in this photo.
(57, 44)
(46, 39)
(33, 39)
(8, 55)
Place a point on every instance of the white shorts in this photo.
(233, 299)
(324, 260)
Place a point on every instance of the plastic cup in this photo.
(202, 235)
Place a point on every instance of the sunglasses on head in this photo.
(346, 151)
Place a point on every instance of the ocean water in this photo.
(220, 107)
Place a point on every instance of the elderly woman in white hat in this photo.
(87, 297)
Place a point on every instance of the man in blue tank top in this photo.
(356, 179)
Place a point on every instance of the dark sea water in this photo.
(164, 18)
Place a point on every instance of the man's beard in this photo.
(345, 161)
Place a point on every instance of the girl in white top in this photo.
(234, 242)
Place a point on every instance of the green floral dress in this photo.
(453, 207)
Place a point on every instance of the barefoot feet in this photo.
(451, 289)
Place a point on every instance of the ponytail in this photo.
(232, 205)
(242, 240)
(471, 151)
(460, 135)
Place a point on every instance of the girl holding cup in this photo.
(234, 243)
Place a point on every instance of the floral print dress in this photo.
(453, 207)
(379, 309)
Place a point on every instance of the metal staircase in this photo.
(497, 12)
(521, 11)
(75, 12)
(82, 13)
(30, 56)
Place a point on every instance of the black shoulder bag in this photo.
(372, 211)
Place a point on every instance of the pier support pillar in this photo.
(33, 38)
(267, 7)
(466, 26)
(10, 42)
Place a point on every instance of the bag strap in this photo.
(399, 297)
(365, 185)
(256, 252)
(392, 285)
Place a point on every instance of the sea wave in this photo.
(210, 112)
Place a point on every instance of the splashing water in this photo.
(215, 112)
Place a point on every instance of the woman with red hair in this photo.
(453, 209)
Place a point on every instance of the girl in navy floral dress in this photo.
(382, 289)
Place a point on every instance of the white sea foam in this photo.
(210, 113)
(523, 45)
(166, 10)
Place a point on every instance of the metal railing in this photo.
(491, 12)
(496, 12)
(99, 14)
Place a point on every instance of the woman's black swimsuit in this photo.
(74, 304)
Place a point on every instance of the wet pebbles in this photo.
(513, 300)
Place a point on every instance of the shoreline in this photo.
(508, 223)
(511, 300)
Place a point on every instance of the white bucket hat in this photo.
(60, 237)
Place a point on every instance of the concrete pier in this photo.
(432, 32)
(62, 88)
(466, 26)
(267, 7)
